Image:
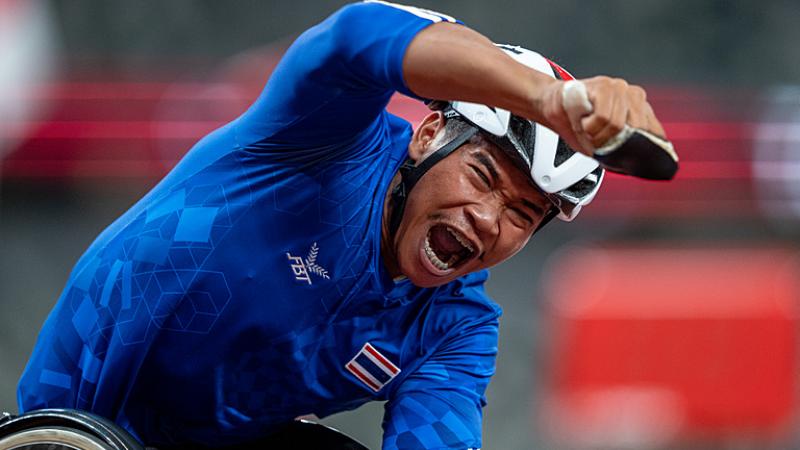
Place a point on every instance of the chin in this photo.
(428, 282)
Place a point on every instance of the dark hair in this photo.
(455, 126)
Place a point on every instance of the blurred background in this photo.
(664, 317)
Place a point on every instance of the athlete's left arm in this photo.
(439, 406)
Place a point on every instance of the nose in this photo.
(484, 217)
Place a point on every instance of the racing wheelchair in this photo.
(66, 429)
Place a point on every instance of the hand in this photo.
(633, 150)
(613, 103)
(617, 103)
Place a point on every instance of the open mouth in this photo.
(447, 248)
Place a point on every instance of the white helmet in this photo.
(568, 178)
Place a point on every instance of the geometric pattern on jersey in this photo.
(439, 405)
(423, 422)
(138, 283)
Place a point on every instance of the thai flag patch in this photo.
(372, 368)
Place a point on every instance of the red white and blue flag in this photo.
(372, 368)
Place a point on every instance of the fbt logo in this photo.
(302, 268)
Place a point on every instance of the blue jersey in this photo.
(247, 288)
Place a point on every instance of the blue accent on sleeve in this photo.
(54, 378)
(453, 425)
(127, 273)
(173, 202)
(111, 279)
(86, 274)
(152, 250)
(195, 224)
(90, 365)
(85, 318)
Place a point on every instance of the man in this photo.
(289, 265)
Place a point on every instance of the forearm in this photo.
(449, 61)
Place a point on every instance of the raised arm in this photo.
(449, 61)
(338, 76)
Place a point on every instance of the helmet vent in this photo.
(584, 186)
(522, 135)
(563, 153)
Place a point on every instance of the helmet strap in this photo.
(410, 174)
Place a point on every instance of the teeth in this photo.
(461, 239)
(442, 265)
(435, 259)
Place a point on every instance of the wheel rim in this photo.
(67, 438)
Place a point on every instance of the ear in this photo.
(424, 135)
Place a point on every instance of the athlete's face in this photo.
(470, 211)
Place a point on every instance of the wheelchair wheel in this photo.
(52, 438)
(63, 429)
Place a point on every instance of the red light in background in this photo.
(672, 344)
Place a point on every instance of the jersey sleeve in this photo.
(439, 406)
(336, 78)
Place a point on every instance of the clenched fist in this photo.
(611, 121)
(613, 103)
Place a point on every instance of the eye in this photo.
(481, 175)
(520, 217)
